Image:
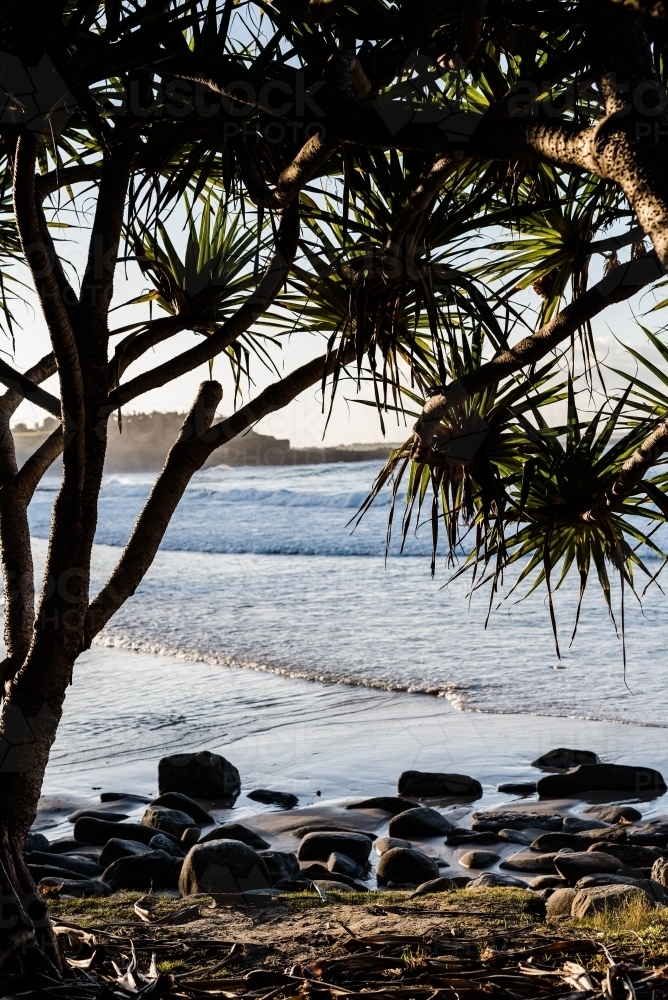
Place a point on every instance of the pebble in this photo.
(286, 800)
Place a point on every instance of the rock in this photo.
(436, 785)
(286, 800)
(85, 887)
(301, 831)
(98, 831)
(660, 871)
(492, 880)
(457, 836)
(516, 837)
(111, 817)
(478, 859)
(341, 864)
(236, 831)
(384, 844)
(281, 865)
(629, 854)
(649, 833)
(597, 898)
(203, 775)
(559, 903)
(654, 890)
(564, 759)
(615, 814)
(39, 872)
(403, 865)
(82, 866)
(117, 848)
(36, 842)
(548, 882)
(318, 846)
(392, 804)
(141, 871)
(614, 833)
(117, 796)
(329, 885)
(517, 787)
(167, 820)
(575, 824)
(602, 778)
(176, 800)
(499, 819)
(318, 871)
(421, 821)
(190, 837)
(576, 866)
(542, 864)
(434, 885)
(223, 866)
(557, 841)
(64, 844)
(162, 843)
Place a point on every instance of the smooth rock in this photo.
(203, 775)
(111, 817)
(602, 778)
(421, 821)
(301, 831)
(171, 821)
(163, 843)
(655, 833)
(117, 848)
(183, 803)
(223, 866)
(65, 844)
(499, 819)
(615, 814)
(36, 842)
(82, 866)
(392, 804)
(597, 898)
(548, 882)
(564, 759)
(618, 834)
(463, 836)
(329, 885)
(516, 837)
(236, 831)
(141, 871)
(318, 846)
(118, 796)
(557, 841)
(190, 837)
(629, 854)
(576, 866)
(403, 865)
(286, 800)
(39, 872)
(478, 859)
(438, 785)
(434, 885)
(384, 844)
(492, 880)
(541, 864)
(517, 787)
(85, 887)
(341, 864)
(318, 871)
(281, 865)
(576, 824)
(99, 831)
(559, 903)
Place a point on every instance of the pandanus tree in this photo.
(429, 186)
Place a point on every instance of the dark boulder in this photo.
(171, 821)
(117, 848)
(36, 842)
(575, 824)
(118, 796)
(392, 804)
(539, 864)
(420, 821)
(563, 759)
(437, 785)
(404, 865)
(602, 778)
(82, 866)
(65, 844)
(318, 846)
(141, 871)
(575, 866)
(317, 872)
(655, 833)
(225, 866)
(616, 833)
(176, 800)
(39, 872)
(341, 864)
(98, 831)
(615, 814)
(163, 843)
(478, 859)
(281, 865)
(204, 775)
(463, 836)
(80, 888)
(493, 880)
(515, 836)
(636, 855)
(435, 885)
(236, 831)
(111, 817)
(517, 787)
(384, 844)
(498, 819)
(301, 831)
(548, 882)
(286, 800)
(557, 841)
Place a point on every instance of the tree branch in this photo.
(23, 387)
(470, 32)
